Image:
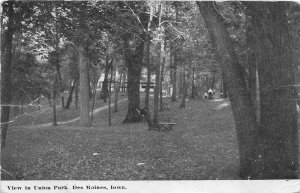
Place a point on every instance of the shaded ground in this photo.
(201, 146)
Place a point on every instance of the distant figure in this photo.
(210, 94)
(141, 112)
(205, 95)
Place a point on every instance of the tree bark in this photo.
(104, 92)
(54, 93)
(6, 71)
(85, 118)
(161, 108)
(117, 90)
(94, 91)
(241, 104)
(133, 59)
(184, 89)
(213, 81)
(157, 71)
(277, 150)
(147, 56)
(251, 59)
(207, 83)
(109, 94)
(194, 91)
(174, 82)
(69, 100)
(224, 87)
(76, 94)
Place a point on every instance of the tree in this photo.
(13, 12)
(83, 69)
(174, 64)
(241, 103)
(157, 67)
(148, 66)
(133, 54)
(277, 149)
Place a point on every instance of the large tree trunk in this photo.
(85, 118)
(6, 71)
(251, 59)
(241, 104)
(133, 61)
(278, 133)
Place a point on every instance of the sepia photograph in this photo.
(99, 95)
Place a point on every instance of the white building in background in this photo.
(167, 88)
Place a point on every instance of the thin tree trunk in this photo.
(94, 93)
(54, 120)
(278, 148)
(123, 82)
(104, 92)
(63, 101)
(76, 94)
(69, 100)
(49, 101)
(117, 90)
(6, 71)
(241, 104)
(57, 64)
(89, 82)
(157, 72)
(174, 82)
(162, 77)
(184, 87)
(109, 95)
(213, 81)
(193, 95)
(148, 115)
(207, 83)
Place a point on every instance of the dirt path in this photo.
(75, 119)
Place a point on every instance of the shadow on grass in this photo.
(201, 146)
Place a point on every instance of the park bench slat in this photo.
(165, 123)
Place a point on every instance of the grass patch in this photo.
(201, 146)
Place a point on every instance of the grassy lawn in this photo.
(33, 116)
(201, 146)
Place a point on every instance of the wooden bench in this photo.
(165, 122)
(166, 126)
